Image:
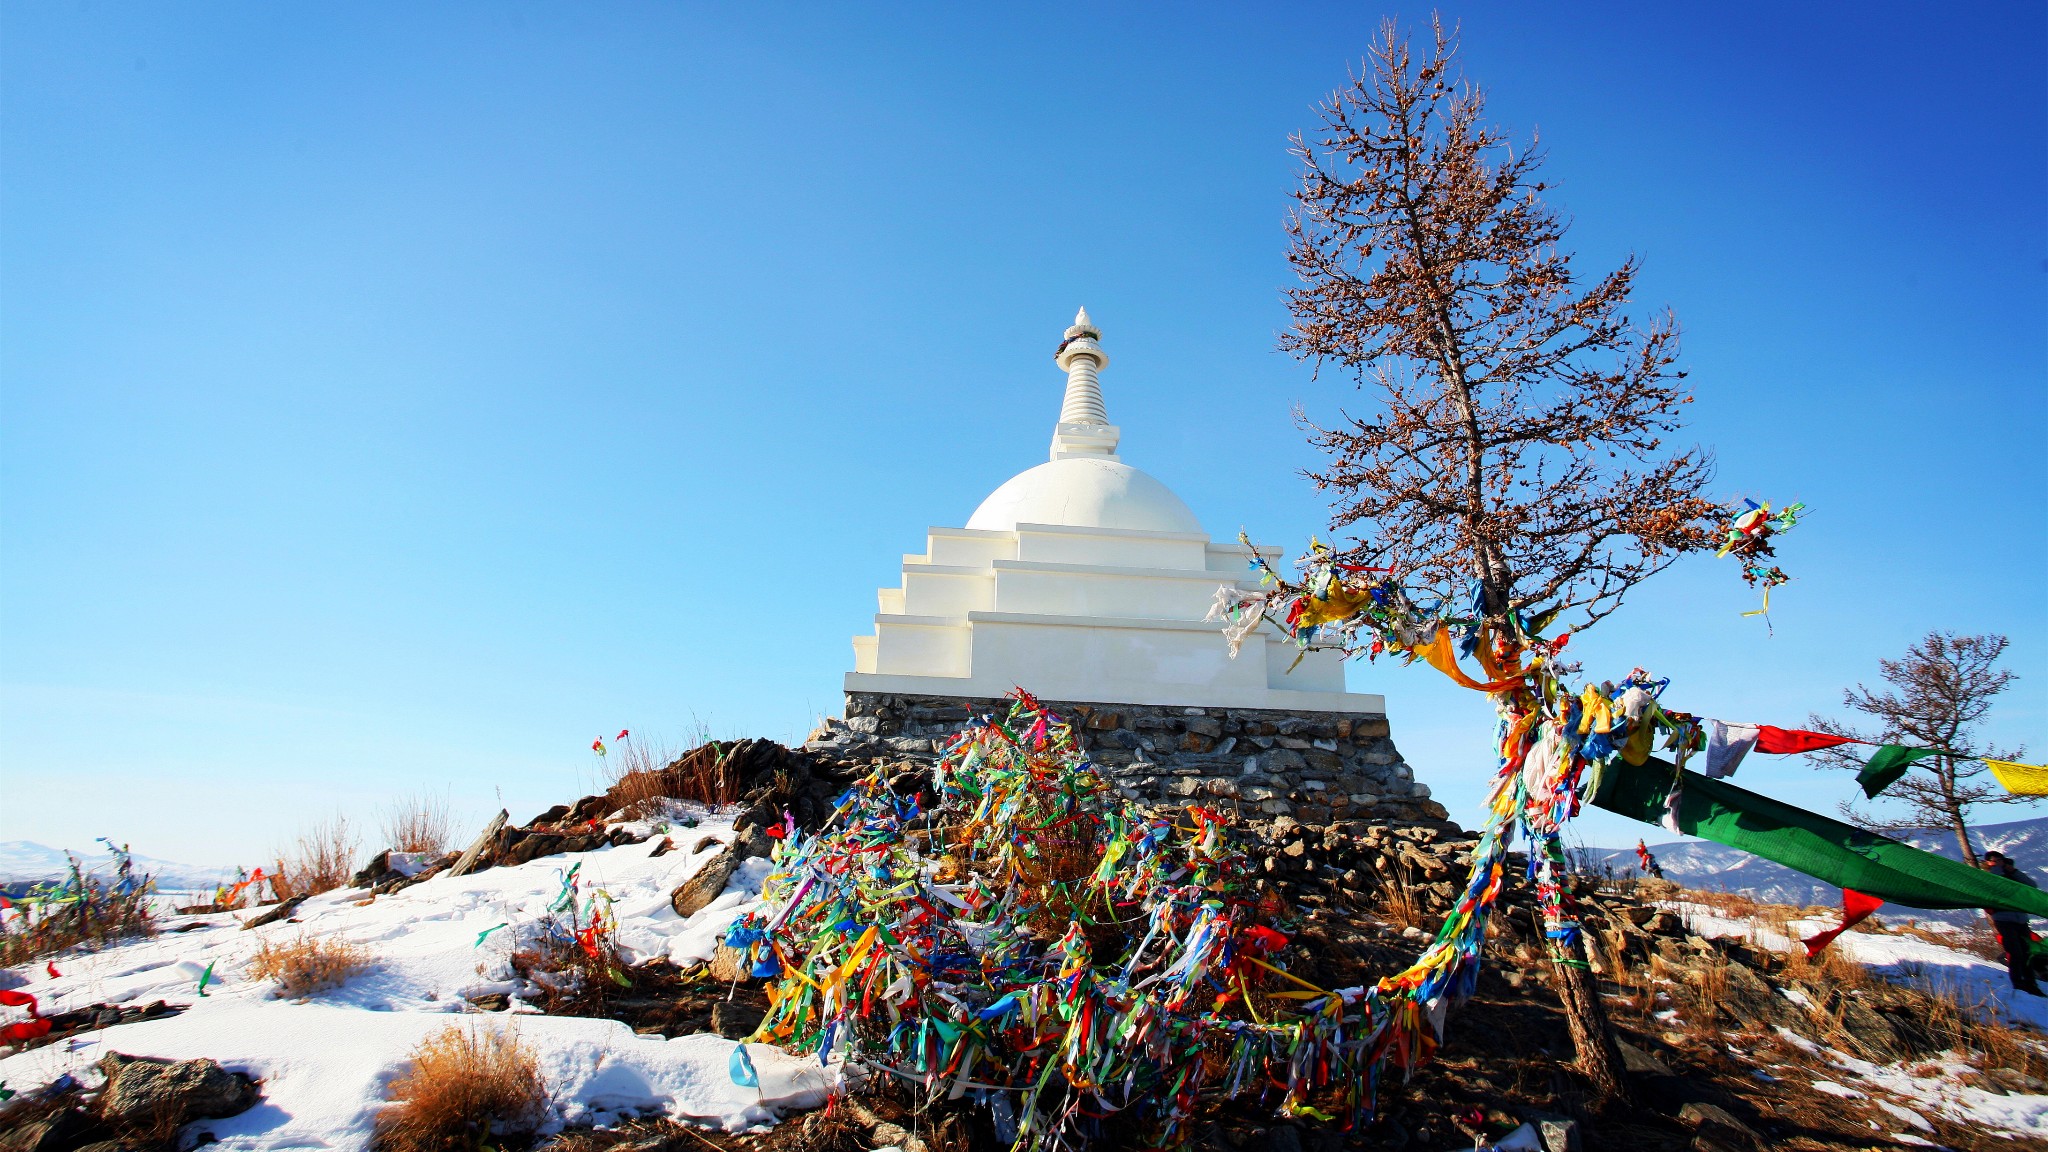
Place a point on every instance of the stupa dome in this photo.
(1085, 492)
(1082, 579)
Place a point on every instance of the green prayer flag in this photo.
(1887, 764)
(1827, 850)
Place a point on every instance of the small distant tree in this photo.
(1517, 442)
(1940, 691)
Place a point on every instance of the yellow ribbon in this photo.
(2021, 779)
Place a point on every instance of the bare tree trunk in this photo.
(1599, 1058)
(1963, 840)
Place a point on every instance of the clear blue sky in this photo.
(399, 396)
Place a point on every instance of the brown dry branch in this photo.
(308, 964)
(1519, 439)
(466, 1085)
(1940, 691)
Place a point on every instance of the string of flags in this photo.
(1728, 743)
(1554, 739)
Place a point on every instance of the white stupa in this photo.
(1084, 579)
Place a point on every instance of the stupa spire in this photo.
(1084, 428)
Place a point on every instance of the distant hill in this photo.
(1717, 868)
(24, 862)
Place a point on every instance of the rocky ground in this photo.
(1728, 1047)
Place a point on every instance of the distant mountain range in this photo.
(24, 862)
(1716, 868)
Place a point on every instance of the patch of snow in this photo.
(1939, 1093)
(1976, 983)
(327, 1060)
(1907, 1114)
(1834, 1089)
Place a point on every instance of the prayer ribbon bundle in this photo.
(1747, 537)
(1606, 733)
(1016, 931)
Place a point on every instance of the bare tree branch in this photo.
(1518, 447)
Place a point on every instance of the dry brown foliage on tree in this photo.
(1517, 455)
(1941, 690)
(1519, 440)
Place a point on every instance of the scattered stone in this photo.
(728, 964)
(1558, 1133)
(693, 895)
(1636, 1060)
(1708, 1117)
(144, 1089)
(733, 1020)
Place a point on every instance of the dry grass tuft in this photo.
(304, 966)
(643, 774)
(1401, 903)
(419, 823)
(323, 859)
(466, 1086)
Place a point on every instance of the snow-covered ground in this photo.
(325, 1061)
(1907, 1092)
(1974, 981)
(1911, 1092)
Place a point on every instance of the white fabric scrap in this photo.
(1727, 744)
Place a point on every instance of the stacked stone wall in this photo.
(1328, 769)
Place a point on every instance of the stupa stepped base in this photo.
(1316, 768)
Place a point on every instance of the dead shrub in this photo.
(2002, 1046)
(323, 859)
(419, 823)
(641, 775)
(304, 966)
(466, 1085)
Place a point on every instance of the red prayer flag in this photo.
(50, 966)
(623, 733)
(1855, 906)
(24, 1030)
(1786, 741)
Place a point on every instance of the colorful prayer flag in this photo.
(2021, 779)
(1887, 764)
(1787, 741)
(1855, 908)
(1727, 744)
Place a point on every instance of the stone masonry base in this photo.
(1315, 768)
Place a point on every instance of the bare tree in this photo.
(1517, 447)
(1518, 442)
(1940, 691)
